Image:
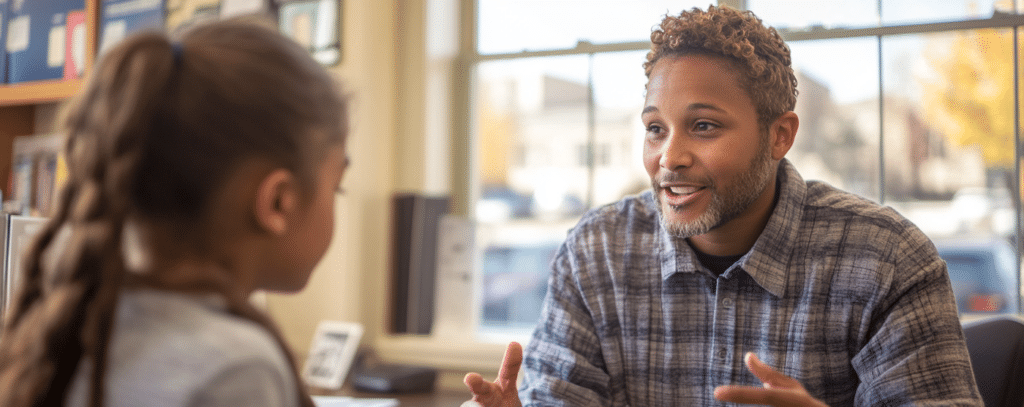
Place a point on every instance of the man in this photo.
(676, 295)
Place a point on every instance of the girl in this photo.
(200, 170)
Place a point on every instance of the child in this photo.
(200, 170)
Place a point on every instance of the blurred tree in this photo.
(970, 98)
(498, 131)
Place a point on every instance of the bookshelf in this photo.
(27, 94)
(20, 102)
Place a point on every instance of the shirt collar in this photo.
(666, 242)
(766, 262)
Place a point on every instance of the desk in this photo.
(436, 398)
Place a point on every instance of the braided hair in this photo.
(156, 131)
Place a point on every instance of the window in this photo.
(914, 104)
(808, 14)
(547, 120)
(838, 139)
(923, 117)
(511, 26)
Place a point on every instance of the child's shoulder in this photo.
(194, 325)
(193, 340)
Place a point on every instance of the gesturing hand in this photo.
(502, 392)
(779, 390)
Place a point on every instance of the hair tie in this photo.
(176, 53)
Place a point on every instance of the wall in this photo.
(350, 282)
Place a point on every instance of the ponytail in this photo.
(64, 311)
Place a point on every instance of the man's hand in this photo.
(503, 392)
(779, 390)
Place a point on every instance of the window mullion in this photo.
(1016, 198)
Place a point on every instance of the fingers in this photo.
(510, 365)
(779, 389)
(764, 396)
(477, 384)
(502, 392)
(770, 377)
(770, 397)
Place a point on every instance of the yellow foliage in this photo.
(971, 100)
(497, 131)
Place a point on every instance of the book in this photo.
(38, 172)
(4, 15)
(74, 45)
(121, 18)
(36, 39)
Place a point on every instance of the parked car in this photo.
(983, 272)
(515, 282)
(499, 203)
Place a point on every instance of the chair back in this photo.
(996, 346)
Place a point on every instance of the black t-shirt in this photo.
(717, 264)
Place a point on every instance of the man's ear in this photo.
(783, 134)
(276, 198)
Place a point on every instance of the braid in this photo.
(24, 366)
(70, 305)
(68, 297)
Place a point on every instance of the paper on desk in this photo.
(339, 401)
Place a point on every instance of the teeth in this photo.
(683, 190)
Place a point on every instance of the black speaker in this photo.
(414, 261)
(395, 379)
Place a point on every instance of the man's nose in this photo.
(676, 152)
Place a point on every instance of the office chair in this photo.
(996, 346)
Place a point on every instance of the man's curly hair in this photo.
(758, 52)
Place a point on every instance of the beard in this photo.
(726, 203)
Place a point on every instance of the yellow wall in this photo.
(350, 283)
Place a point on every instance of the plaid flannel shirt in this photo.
(840, 293)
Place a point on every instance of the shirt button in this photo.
(727, 302)
(720, 354)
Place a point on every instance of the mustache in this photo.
(677, 178)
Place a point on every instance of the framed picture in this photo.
(314, 25)
(331, 353)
